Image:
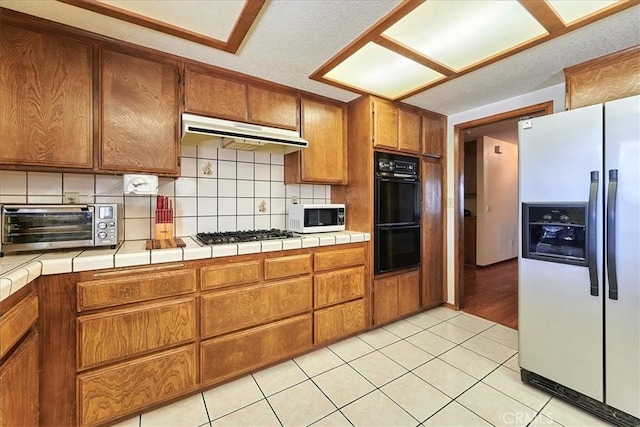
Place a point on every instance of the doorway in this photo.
(492, 290)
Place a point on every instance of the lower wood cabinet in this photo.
(338, 321)
(19, 385)
(16, 321)
(118, 390)
(118, 334)
(234, 354)
(395, 296)
(239, 308)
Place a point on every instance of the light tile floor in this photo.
(437, 368)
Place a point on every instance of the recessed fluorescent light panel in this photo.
(461, 33)
(375, 69)
(573, 10)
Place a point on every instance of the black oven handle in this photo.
(398, 179)
(592, 236)
(398, 226)
(612, 271)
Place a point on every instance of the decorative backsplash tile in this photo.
(218, 190)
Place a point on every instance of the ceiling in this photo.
(290, 39)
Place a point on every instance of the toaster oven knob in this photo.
(102, 235)
(102, 225)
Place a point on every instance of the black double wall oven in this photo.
(397, 212)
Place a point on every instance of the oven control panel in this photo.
(396, 165)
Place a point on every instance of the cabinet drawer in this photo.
(134, 288)
(237, 309)
(115, 335)
(338, 321)
(111, 392)
(235, 354)
(275, 268)
(238, 273)
(339, 258)
(338, 286)
(16, 322)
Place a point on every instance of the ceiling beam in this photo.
(544, 14)
(248, 16)
(412, 54)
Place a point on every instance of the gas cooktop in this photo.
(243, 236)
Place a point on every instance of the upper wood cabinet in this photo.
(395, 127)
(433, 133)
(139, 119)
(324, 125)
(603, 79)
(273, 108)
(46, 114)
(233, 99)
(215, 96)
(408, 131)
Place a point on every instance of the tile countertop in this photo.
(16, 270)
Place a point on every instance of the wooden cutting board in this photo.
(165, 243)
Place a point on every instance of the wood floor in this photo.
(492, 292)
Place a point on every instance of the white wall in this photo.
(553, 93)
(497, 221)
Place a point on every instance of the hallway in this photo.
(492, 292)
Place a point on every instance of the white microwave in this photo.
(316, 218)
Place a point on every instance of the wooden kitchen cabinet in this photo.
(339, 258)
(324, 125)
(394, 127)
(395, 296)
(434, 128)
(238, 308)
(238, 353)
(236, 273)
(19, 385)
(215, 96)
(272, 107)
(603, 79)
(385, 124)
(46, 118)
(337, 286)
(338, 321)
(139, 113)
(120, 334)
(123, 389)
(17, 321)
(409, 131)
(433, 229)
(287, 266)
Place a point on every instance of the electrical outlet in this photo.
(294, 200)
(71, 197)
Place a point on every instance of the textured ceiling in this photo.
(292, 38)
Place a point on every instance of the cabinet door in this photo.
(235, 354)
(16, 321)
(432, 233)
(236, 309)
(46, 113)
(19, 387)
(408, 292)
(118, 334)
(408, 131)
(271, 108)
(434, 132)
(338, 321)
(338, 286)
(139, 114)
(385, 125)
(385, 300)
(325, 160)
(107, 393)
(215, 96)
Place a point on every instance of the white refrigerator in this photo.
(579, 258)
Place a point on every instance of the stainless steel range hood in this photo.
(197, 130)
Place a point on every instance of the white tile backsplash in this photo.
(13, 183)
(218, 190)
(44, 184)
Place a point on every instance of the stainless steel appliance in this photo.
(397, 212)
(579, 265)
(219, 238)
(44, 227)
(316, 218)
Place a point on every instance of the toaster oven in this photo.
(44, 227)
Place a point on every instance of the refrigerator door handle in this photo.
(612, 273)
(592, 236)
